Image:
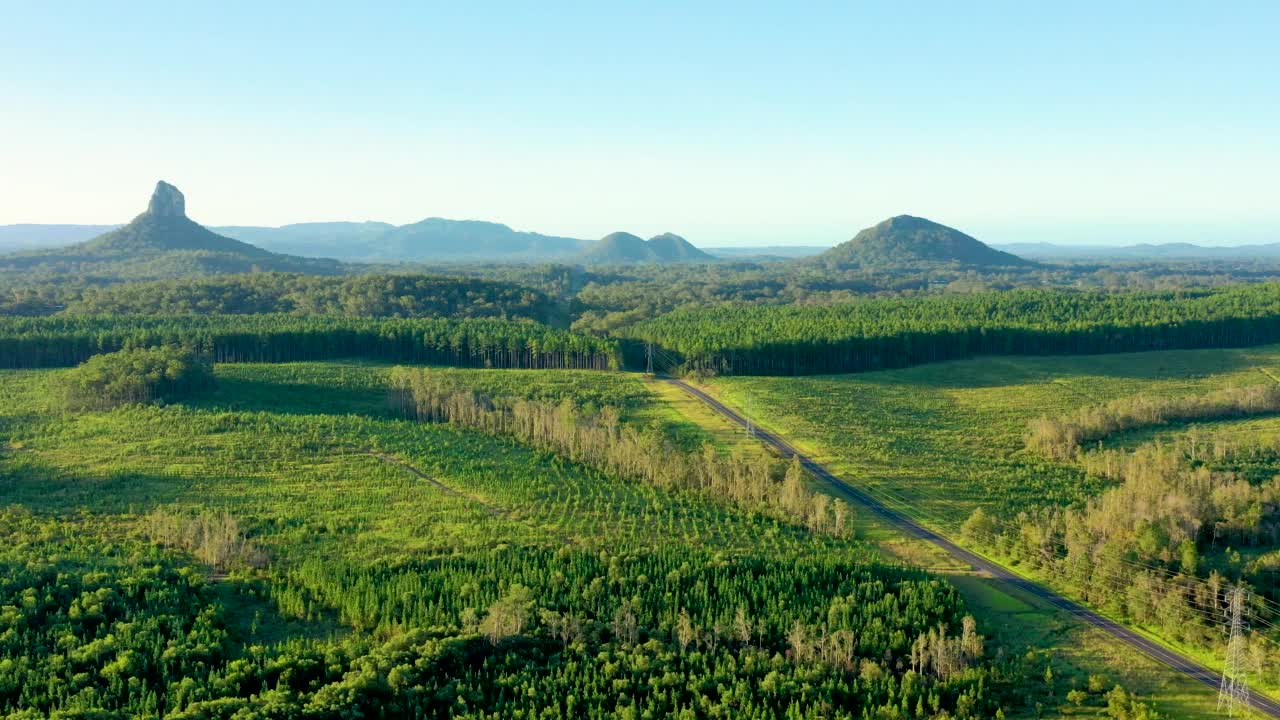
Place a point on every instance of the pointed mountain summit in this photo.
(161, 242)
(165, 226)
(908, 241)
(625, 248)
(167, 201)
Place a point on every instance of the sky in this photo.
(727, 123)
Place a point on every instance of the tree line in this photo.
(1180, 524)
(875, 334)
(369, 295)
(600, 440)
(1061, 438)
(59, 341)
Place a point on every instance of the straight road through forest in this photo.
(1178, 662)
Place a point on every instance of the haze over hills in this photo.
(440, 239)
(36, 236)
(341, 240)
(767, 252)
(161, 242)
(908, 241)
(1143, 251)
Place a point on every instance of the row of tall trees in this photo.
(69, 340)
(898, 332)
(602, 441)
(1061, 438)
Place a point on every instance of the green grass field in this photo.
(941, 440)
(340, 495)
(294, 450)
(947, 438)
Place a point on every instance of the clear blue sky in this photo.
(729, 123)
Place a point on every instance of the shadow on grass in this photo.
(1000, 370)
(26, 480)
(293, 398)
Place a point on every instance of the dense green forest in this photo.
(122, 628)
(756, 338)
(400, 295)
(68, 340)
(890, 333)
(596, 299)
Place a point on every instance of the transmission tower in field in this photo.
(1233, 694)
(648, 358)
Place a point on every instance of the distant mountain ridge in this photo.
(342, 240)
(34, 236)
(476, 240)
(909, 241)
(1143, 251)
(426, 240)
(431, 240)
(441, 239)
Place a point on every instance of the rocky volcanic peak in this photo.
(167, 201)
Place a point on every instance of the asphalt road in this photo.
(1178, 662)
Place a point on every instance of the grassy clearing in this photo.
(286, 448)
(944, 439)
(948, 438)
(375, 527)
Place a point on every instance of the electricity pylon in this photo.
(1234, 691)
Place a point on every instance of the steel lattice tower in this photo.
(1234, 691)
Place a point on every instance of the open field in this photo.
(308, 457)
(363, 538)
(1030, 619)
(916, 456)
(947, 438)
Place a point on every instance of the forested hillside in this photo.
(905, 241)
(161, 242)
